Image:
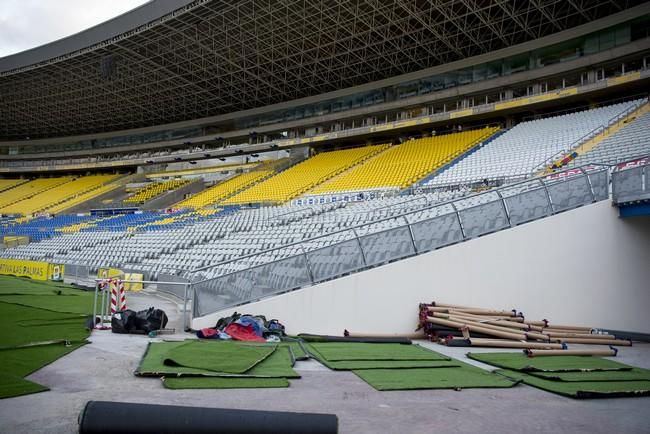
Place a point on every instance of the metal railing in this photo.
(631, 181)
(360, 247)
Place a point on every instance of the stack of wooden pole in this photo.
(480, 327)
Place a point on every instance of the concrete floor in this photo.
(103, 370)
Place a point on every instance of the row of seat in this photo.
(154, 189)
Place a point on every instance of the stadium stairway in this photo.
(583, 149)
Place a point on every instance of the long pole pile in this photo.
(456, 325)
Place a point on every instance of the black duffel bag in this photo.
(150, 320)
(123, 321)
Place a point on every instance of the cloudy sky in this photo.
(25, 24)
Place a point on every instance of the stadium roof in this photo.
(174, 60)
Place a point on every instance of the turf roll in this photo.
(119, 417)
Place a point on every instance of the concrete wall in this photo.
(585, 267)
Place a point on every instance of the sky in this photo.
(26, 24)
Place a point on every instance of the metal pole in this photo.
(363, 254)
(185, 327)
(95, 304)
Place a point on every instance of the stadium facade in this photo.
(252, 122)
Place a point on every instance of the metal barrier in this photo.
(76, 272)
(354, 249)
(102, 297)
(631, 183)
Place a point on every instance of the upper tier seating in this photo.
(154, 189)
(66, 189)
(28, 190)
(523, 150)
(6, 184)
(630, 142)
(304, 175)
(223, 189)
(404, 164)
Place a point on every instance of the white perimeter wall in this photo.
(584, 267)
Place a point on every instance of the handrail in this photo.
(604, 127)
(207, 267)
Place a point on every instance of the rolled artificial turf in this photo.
(350, 351)
(223, 382)
(582, 389)
(521, 362)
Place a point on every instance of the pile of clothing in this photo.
(251, 328)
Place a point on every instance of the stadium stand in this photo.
(153, 190)
(525, 148)
(224, 189)
(29, 189)
(42, 228)
(627, 143)
(305, 175)
(57, 197)
(404, 164)
(6, 184)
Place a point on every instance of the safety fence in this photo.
(351, 250)
(631, 181)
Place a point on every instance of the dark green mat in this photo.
(152, 364)
(19, 285)
(228, 357)
(521, 362)
(24, 325)
(12, 385)
(298, 349)
(582, 390)
(223, 383)
(388, 364)
(349, 351)
(463, 377)
(635, 374)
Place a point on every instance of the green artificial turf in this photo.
(24, 285)
(229, 357)
(278, 364)
(223, 383)
(80, 304)
(521, 362)
(12, 385)
(349, 351)
(350, 365)
(24, 361)
(462, 377)
(36, 322)
(582, 390)
(635, 374)
(298, 349)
